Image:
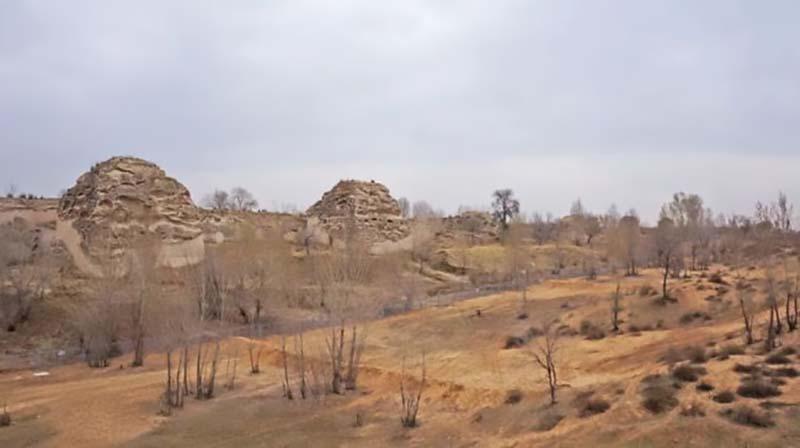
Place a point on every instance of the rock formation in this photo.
(368, 206)
(123, 199)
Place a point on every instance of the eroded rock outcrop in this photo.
(367, 206)
(124, 199)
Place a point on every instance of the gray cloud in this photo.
(442, 100)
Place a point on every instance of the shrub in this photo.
(725, 396)
(513, 396)
(692, 316)
(591, 331)
(786, 372)
(696, 354)
(730, 350)
(594, 406)
(742, 368)
(513, 342)
(522, 316)
(694, 409)
(658, 394)
(5, 417)
(705, 387)
(534, 332)
(777, 358)
(746, 415)
(786, 351)
(687, 373)
(716, 277)
(647, 290)
(757, 388)
(548, 421)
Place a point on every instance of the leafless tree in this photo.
(690, 219)
(667, 241)
(218, 200)
(423, 210)
(287, 385)
(504, 206)
(423, 241)
(625, 242)
(410, 400)
(27, 268)
(792, 286)
(544, 354)
(242, 200)
(777, 215)
(544, 228)
(747, 313)
(405, 207)
(616, 307)
(517, 257)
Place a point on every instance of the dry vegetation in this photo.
(555, 333)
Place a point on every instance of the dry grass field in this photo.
(470, 377)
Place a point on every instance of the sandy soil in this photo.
(469, 376)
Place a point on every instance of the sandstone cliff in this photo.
(367, 206)
(124, 199)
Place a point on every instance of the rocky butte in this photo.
(124, 199)
(368, 206)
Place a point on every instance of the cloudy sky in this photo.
(610, 101)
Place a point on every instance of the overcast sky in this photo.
(612, 101)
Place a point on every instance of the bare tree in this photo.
(517, 257)
(777, 215)
(218, 200)
(625, 242)
(423, 241)
(544, 354)
(747, 313)
(792, 286)
(544, 228)
(242, 200)
(616, 307)
(667, 242)
(405, 207)
(505, 206)
(27, 267)
(410, 400)
(423, 210)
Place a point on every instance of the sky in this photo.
(615, 101)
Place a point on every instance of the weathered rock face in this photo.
(125, 198)
(370, 208)
(477, 227)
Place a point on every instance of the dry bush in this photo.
(693, 409)
(777, 358)
(725, 396)
(658, 394)
(687, 373)
(5, 417)
(757, 388)
(514, 342)
(785, 372)
(647, 290)
(696, 354)
(730, 350)
(705, 387)
(513, 396)
(593, 406)
(410, 401)
(716, 277)
(746, 415)
(692, 316)
(591, 331)
(548, 421)
(748, 369)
